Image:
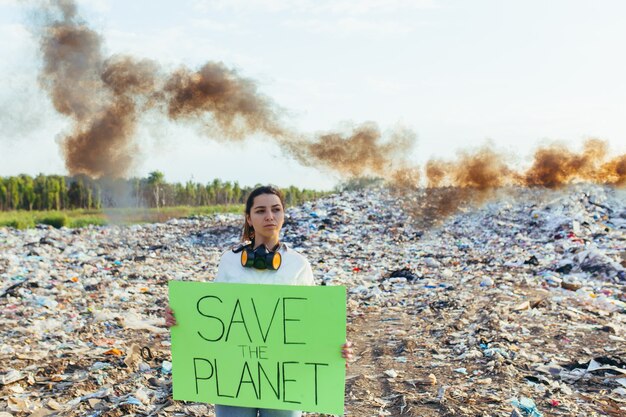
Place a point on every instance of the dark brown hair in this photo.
(248, 231)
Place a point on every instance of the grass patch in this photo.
(87, 221)
(57, 220)
(18, 223)
(152, 215)
(82, 218)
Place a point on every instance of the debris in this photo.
(404, 273)
(431, 379)
(114, 351)
(11, 377)
(133, 357)
(522, 306)
(520, 298)
(391, 373)
(166, 367)
(527, 407)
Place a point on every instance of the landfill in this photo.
(516, 307)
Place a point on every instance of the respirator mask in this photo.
(260, 258)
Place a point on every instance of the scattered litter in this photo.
(527, 407)
(166, 367)
(391, 373)
(11, 377)
(522, 298)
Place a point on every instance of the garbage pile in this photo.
(514, 308)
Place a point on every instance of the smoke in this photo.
(555, 165)
(106, 97)
(406, 178)
(361, 151)
(430, 206)
(615, 171)
(482, 170)
(104, 118)
(468, 181)
(225, 100)
(474, 177)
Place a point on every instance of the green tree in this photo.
(155, 182)
(76, 194)
(14, 193)
(228, 192)
(54, 192)
(41, 185)
(190, 194)
(236, 192)
(216, 185)
(3, 195)
(27, 191)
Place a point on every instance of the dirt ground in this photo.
(488, 385)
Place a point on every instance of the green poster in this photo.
(265, 346)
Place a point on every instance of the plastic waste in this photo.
(527, 407)
(510, 299)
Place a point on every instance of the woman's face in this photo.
(266, 216)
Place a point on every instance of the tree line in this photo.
(57, 192)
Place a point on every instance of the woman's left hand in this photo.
(346, 352)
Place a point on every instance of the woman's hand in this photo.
(169, 317)
(346, 352)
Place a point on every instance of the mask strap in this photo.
(273, 250)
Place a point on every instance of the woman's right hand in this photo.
(169, 317)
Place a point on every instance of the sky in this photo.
(458, 73)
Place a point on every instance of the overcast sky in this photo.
(457, 73)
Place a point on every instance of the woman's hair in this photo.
(248, 231)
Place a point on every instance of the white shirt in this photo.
(294, 270)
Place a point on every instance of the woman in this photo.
(267, 261)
